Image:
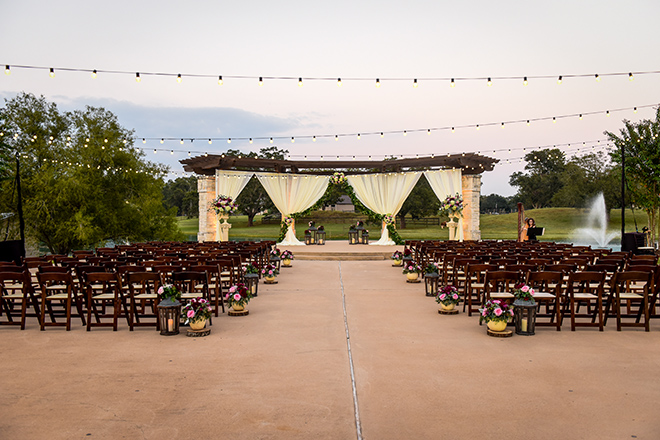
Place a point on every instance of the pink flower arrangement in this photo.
(238, 294)
(495, 310)
(197, 309)
(448, 295)
(224, 205)
(523, 292)
(270, 270)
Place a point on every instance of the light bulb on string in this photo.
(405, 133)
(490, 82)
(271, 140)
(358, 136)
(428, 131)
(137, 77)
(261, 81)
(477, 127)
(250, 140)
(580, 116)
(229, 140)
(502, 125)
(313, 138)
(631, 77)
(528, 122)
(338, 82)
(210, 141)
(94, 74)
(635, 110)
(52, 73)
(554, 120)
(181, 141)
(300, 82)
(178, 78)
(559, 79)
(293, 139)
(220, 81)
(188, 153)
(415, 83)
(607, 113)
(336, 137)
(382, 134)
(525, 82)
(377, 82)
(597, 77)
(144, 141)
(7, 70)
(453, 130)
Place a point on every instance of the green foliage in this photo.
(537, 187)
(584, 177)
(182, 195)
(640, 143)
(421, 202)
(83, 183)
(496, 203)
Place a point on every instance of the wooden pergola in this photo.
(468, 163)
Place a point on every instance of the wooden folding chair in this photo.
(104, 288)
(475, 286)
(547, 292)
(16, 287)
(143, 289)
(215, 285)
(620, 291)
(586, 287)
(192, 285)
(59, 288)
(500, 283)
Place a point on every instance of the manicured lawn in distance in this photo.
(559, 224)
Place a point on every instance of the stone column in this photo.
(207, 218)
(471, 184)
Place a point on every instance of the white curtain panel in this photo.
(293, 193)
(230, 184)
(384, 194)
(447, 183)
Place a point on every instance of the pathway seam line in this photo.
(358, 426)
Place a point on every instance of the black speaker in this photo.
(12, 250)
(631, 241)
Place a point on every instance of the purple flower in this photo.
(442, 297)
(455, 296)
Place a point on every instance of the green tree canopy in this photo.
(181, 193)
(421, 202)
(83, 181)
(538, 186)
(640, 144)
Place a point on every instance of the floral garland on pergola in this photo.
(339, 179)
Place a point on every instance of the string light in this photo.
(377, 82)
(137, 77)
(313, 138)
(220, 81)
(271, 140)
(502, 124)
(261, 81)
(229, 140)
(52, 73)
(580, 116)
(525, 82)
(597, 77)
(338, 82)
(631, 77)
(94, 74)
(336, 138)
(162, 141)
(554, 120)
(300, 83)
(144, 141)
(635, 110)
(210, 141)
(178, 78)
(559, 80)
(292, 139)
(405, 133)
(382, 134)
(250, 140)
(358, 136)
(490, 82)
(528, 122)
(452, 83)
(415, 83)
(428, 131)
(7, 70)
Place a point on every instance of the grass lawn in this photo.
(559, 224)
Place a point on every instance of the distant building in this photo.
(344, 205)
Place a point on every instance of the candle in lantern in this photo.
(523, 324)
(170, 325)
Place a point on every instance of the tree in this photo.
(586, 176)
(181, 193)
(421, 202)
(83, 182)
(496, 203)
(640, 144)
(542, 181)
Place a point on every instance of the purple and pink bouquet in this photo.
(269, 270)
(412, 268)
(238, 294)
(286, 255)
(495, 310)
(523, 292)
(448, 295)
(452, 205)
(169, 292)
(197, 309)
(224, 205)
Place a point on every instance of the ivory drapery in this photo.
(384, 194)
(230, 184)
(447, 183)
(293, 193)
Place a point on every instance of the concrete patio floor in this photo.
(283, 372)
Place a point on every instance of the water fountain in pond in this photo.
(595, 233)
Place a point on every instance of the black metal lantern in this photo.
(364, 237)
(169, 313)
(252, 283)
(353, 236)
(312, 231)
(524, 313)
(320, 237)
(431, 281)
(275, 261)
(308, 238)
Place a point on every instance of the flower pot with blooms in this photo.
(275, 255)
(196, 313)
(397, 256)
(250, 269)
(496, 314)
(223, 206)
(269, 272)
(412, 271)
(238, 296)
(286, 257)
(448, 297)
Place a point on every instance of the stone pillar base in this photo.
(471, 184)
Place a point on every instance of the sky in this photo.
(428, 40)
